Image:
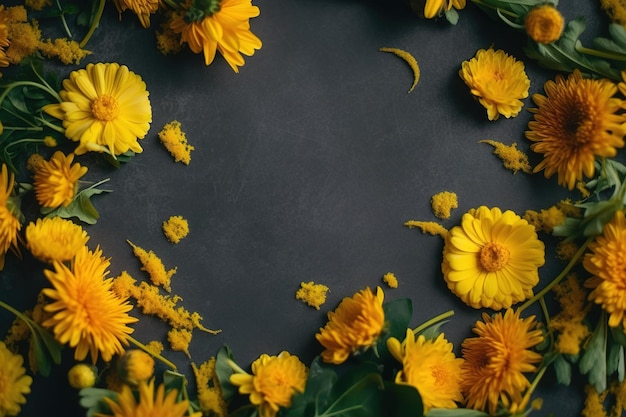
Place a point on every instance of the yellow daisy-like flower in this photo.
(354, 325)
(577, 120)
(9, 212)
(56, 180)
(606, 261)
(498, 81)
(434, 8)
(496, 360)
(544, 23)
(274, 381)
(14, 382)
(55, 239)
(85, 313)
(218, 25)
(491, 259)
(105, 108)
(150, 402)
(142, 8)
(431, 367)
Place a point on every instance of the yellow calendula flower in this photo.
(56, 180)
(274, 381)
(82, 376)
(435, 8)
(55, 239)
(218, 25)
(9, 214)
(498, 81)
(355, 325)
(431, 367)
(105, 108)
(491, 260)
(544, 23)
(135, 366)
(576, 121)
(496, 360)
(14, 383)
(84, 312)
(142, 8)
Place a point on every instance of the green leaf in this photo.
(223, 371)
(80, 207)
(93, 400)
(455, 412)
(563, 370)
(452, 16)
(402, 400)
(593, 362)
(317, 390)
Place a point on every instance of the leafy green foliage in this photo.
(593, 362)
(223, 371)
(81, 206)
(93, 400)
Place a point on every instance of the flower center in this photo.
(494, 256)
(104, 108)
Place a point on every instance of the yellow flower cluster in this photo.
(153, 265)
(176, 228)
(210, 395)
(175, 141)
(570, 321)
(312, 294)
(513, 159)
(443, 203)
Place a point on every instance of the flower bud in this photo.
(82, 375)
(135, 366)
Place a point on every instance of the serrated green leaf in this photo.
(593, 362)
(223, 371)
(93, 400)
(81, 206)
(563, 370)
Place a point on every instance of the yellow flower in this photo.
(496, 360)
(85, 313)
(577, 120)
(105, 108)
(9, 212)
(491, 259)
(175, 228)
(544, 24)
(142, 8)
(274, 380)
(434, 8)
(431, 367)
(135, 366)
(354, 325)
(82, 376)
(56, 180)
(607, 263)
(498, 81)
(218, 25)
(149, 403)
(55, 239)
(4, 38)
(14, 382)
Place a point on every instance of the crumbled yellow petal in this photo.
(551, 218)
(410, 59)
(175, 141)
(312, 294)
(210, 398)
(442, 204)
(433, 228)
(179, 340)
(569, 322)
(582, 188)
(176, 228)
(569, 209)
(168, 41)
(67, 51)
(153, 265)
(24, 36)
(565, 250)
(390, 279)
(155, 347)
(533, 218)
(594, 403)
(513, 159)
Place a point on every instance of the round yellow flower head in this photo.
(135, 366)
(544, 24)
(82, 376)
(149, 401)
(274, 381)
(55, 239)
(14, 382)
(56, 180)
(491, 260)
(50, 142)
(355, 325)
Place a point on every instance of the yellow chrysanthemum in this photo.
(274, 380)
(434, 8)
(85, 313)
(577, 120)
(142, 8)
(498, 81)
(105, 108)
(149, 403)
(9, 212)
(544, 23)
(135, 366)
(491, 259)
(55, 239)
(606, 261)
(354, 325)
(218, 25)
(431, 367)
(496, 360)
(14, 382)
(56, 180)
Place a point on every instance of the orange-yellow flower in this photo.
(9, 214)
(14, 382)
(434, 8)
(544, 23)
(56, 180)
(142, 8)
(355, 325)
(55, 239)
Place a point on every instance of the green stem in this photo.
(67, 29)
(558, 279)
(51, 125)
(148, 351)
(432, 321)
(31, 128)
(43, 87)
(94, 23)
(235, 367)
(601, 54)
(532, 387)
(29, 322)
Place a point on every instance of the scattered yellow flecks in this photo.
(433, 228)
(210, 398)
(176, 228)
(155, 347)
(409, 60)
(390, 279)
(175, 141)
(67, 51)
(569, 322)
(582, 188)
(312, 294)
(180, 339)
(153, 265)
(546, 220)
(565, 250)
(513, 159)
(442, 204)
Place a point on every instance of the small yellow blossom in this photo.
(443, 203)
(56, 180)
(35, 162)
(544, 23)
(390, 279)
(49, 141)
(176, 228)
(135, 366)
(210, 397)
(312, 294)
(513, 159)
(55, 239)
(153, 265)
(432, 228)
(180, 339)
(82, 376)
(14, 383)
(175, 141)
(551, 218)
